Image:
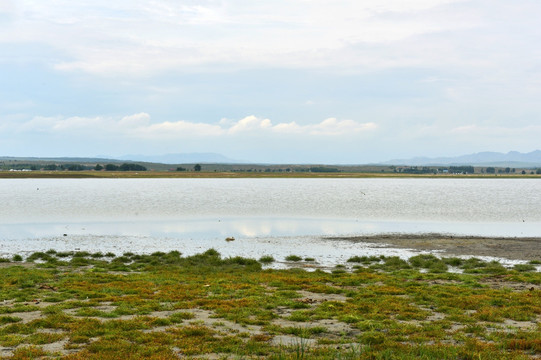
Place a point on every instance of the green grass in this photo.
(293, 258)
(266, 259)
(160, 305)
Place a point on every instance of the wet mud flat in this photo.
(501, 247)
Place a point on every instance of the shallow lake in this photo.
(162, 214)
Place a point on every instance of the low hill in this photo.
(496, 159)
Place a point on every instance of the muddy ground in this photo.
(509, 248)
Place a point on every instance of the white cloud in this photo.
(39, 124)
(250, 123)
(61, 125)
(135, 120)
(416, 73)
(332, 126)
(142, 37)
(7, 6)
(255, 138)
(328, 127)
(140, 126)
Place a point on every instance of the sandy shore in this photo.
(509, 248)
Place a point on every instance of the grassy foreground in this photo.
(166, 306)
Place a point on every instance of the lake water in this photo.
(264, 215)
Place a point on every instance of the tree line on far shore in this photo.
(467, 169)
(80, 167)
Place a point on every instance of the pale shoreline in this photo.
(513, 248)
(327, 251)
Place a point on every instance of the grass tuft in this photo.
(293, 258)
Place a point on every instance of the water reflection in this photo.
(214, 228)
(277, 216)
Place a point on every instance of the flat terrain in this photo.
(78, 305)
(509, 248)
(228, 174)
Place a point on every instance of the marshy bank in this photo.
(92, 305)
(513, 248)
(327, 251)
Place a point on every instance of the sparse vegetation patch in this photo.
(84, 305)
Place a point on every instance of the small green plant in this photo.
(372, 338)
(473, 263)
(9, 320)
(299, 316)
(293, 258)
(181, 316)
(357, 259)
(81, 254)
(524, 267)
(64, 254)
(423, 260)
(453, 261)
(39, 256)
(266, 259)
(17, 258)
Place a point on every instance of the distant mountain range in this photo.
(511, 159)
(188, 158)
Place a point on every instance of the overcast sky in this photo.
(312, 81)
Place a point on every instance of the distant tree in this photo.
(416, 170)
(111, 167)
(76, 167)
(197, 167)
(523, 172)
(507, 170)
(180, 168)
(538, 171)
(98, 167)
(51, 167)
(323, 169)
(491, 170)
(461, 169)
(132, 167)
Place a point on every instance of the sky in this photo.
(281, 81)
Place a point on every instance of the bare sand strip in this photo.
(502, 247)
